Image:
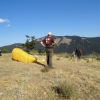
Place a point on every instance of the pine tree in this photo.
(29, 44)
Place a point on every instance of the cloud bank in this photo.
(4, 20)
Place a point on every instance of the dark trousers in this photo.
(78, 56)
(49, 53)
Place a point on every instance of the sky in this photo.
(38, 17)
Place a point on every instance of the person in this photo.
(73, 54)
(77, 52)
(48, 42)
(0, 53)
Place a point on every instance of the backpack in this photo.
(48, 40)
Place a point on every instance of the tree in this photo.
(4, 51)
(29, 44)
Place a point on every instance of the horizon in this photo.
(44, 36)
(38, 17)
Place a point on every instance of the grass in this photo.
(45, 69)
(76, 80)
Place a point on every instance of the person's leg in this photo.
(50, 57)
(47, 57)
(78, 56)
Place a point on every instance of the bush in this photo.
(46, 69)
(66, 56)
(4, 51)
(98, 59)
(64, 90)
(58, 58)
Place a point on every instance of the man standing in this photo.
(0, 53)
(48, 42)
(77, 52)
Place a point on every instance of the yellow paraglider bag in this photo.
(22, 56)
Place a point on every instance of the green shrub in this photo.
(64, 90)
(66, 56)
(87, 60)
(4, 51)
(98, 59)
(45, 69)
(58, 58)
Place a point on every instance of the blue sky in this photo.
(38, 17)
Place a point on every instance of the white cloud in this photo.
(8, 25)
(4, 20)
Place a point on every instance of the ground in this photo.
(26, 81)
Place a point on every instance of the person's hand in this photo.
(43, 45)
(53, 44)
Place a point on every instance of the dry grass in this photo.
(26, 81)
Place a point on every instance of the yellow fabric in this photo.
(22, 56)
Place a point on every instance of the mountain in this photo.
(11, 47)
(67, 44)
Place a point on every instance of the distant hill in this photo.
(11, 47)
(67, 44)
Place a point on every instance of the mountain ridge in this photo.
(67, 44)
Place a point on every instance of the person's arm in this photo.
(42, 43)
(55, 42)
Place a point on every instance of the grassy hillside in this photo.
(72, 79)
